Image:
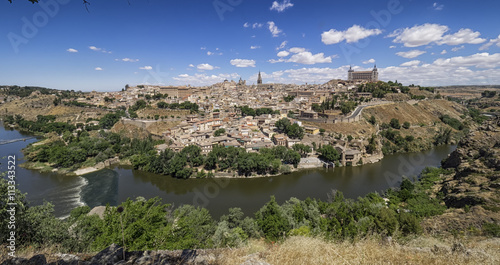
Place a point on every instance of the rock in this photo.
(37, 260)
(108, 256)
(459, 248)
(439, 250)
(253, 259)
(98, 210)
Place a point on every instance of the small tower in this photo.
(349, 74)
(259, 79)
(375, 73)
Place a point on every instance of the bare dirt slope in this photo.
(424, 112)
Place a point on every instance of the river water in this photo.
(113, 186)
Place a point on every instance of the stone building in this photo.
(370, 76)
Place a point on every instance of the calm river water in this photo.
(218, 195)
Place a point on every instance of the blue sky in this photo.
(59, 44)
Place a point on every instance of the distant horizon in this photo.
(59, 44)
(132, 85)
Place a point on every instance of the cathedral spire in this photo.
(259, 79)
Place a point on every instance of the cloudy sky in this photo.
(59, 44)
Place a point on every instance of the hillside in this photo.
(425, 112)
(32, 106)
(473, 191)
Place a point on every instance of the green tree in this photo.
(283, 124)
(271, 220)
(372, 120)
(329, 153)
(295, 131)
(219, 132)
(394, 123)
(406, 125)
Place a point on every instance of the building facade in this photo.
(369, 76)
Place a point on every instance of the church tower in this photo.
(349, 74)
(259, 79)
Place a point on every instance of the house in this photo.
(308, 114)
(206, 147)
(351, 157)
(311, 130)
(292, 142)
(280, 140)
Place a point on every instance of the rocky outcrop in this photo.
(472, 191)
(477, 168)
(115, 254)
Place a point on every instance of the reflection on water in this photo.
(112, 186)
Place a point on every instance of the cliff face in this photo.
(477, 169)
(473, 191)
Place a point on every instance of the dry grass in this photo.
(304, 250)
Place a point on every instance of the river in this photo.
(115, 185)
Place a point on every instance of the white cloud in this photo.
(280, 7)
(147, 67)
(191, 65)
(411, 63)
(490, 43)
(369, 61)
(257, 25)
(300, 55)
(297, 50)
(98, 69)
(203, 79)
(283, 54)
(410, 54)
(71, 50)
(203, 48)
(282, 45)
(463, 36)
(309, 58)
(275, 31)
(127, 60)
(246, 25)
(455, 49)
(243, 63)
(205, 66)
(94, 48)
(434, 33)
(209, 53)
(444, 52)
(254, 47)
(437, 6)
(419, 35)
(352, 34)
(479, 60)
(392, 47)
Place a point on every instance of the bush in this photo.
(395, 123)
(491, 229)
(406, 125)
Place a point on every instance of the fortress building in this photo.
(370, 76)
